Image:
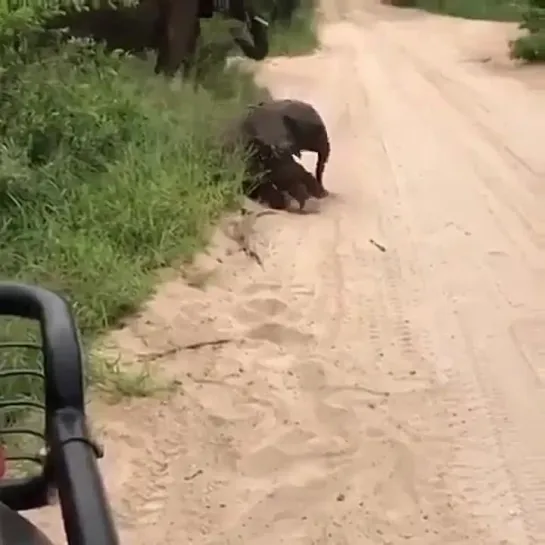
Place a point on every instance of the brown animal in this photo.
(287, 177)
(292, 177)
(290, 127)
(270, 195)
(260, 162)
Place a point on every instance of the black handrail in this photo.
(85, 511)
(71, 458)
(63, 361)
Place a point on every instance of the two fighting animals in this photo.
(273, 133)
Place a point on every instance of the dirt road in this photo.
(367, 396)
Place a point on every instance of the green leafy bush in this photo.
(533, 20)
(530, 47)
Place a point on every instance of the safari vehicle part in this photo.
(68, 460)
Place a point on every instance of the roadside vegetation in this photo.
(295, 35)
(108, 172)
(530, 46)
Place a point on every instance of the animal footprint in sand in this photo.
(269, 306)
(256, 308)
(259, 287)
(263, 301)
(264, 288)
(261, 310)
(279, 334)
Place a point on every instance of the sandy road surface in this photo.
(372, 397)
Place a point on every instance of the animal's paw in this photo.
(324, 193)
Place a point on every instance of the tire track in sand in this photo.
(499, 386)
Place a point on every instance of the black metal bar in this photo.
(63, 361)
(21, 431)
(32, 346)
(21, 373)
(24, 458)
(86, 513)
(18, 403)
(70, 463)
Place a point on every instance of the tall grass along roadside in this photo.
(106, 172)
(105, 175)
(293, 34)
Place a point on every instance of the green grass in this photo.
(108, 173)
(299, 37)
(296, 37)
(105, 178)
(105, 175)
(497, 10)
(530, 47)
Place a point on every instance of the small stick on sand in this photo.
(377, 245)
(148, 358)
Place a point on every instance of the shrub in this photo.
(530, 47)
(533, 20)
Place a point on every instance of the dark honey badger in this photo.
(287, 176)
(288, 127)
